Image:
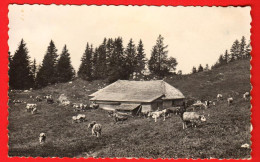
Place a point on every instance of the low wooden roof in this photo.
(127, 107)
(137, 91)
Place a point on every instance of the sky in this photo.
(194, 35)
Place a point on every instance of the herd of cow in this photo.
(187, 113)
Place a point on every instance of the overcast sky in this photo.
(195, 35)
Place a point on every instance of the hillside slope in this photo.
(226, 129)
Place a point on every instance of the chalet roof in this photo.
(137, 91)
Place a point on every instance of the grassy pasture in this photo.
(221, 136)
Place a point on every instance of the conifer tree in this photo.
(85, 69)
(116, 61)
(47, 73)
(141, 60)
(102, 61)
(20, 76)
(34, 69)
(221, 60)
(235, 50)
(95, 72)
(159, 63)
(248, 50)
(226, 57)
(206, 67)
(130, 58)
(242, 50)
(152, 63)
(194, 70)
(200, 68)
(65, 70)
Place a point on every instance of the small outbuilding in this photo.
(138, 96)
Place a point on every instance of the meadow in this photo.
(221, 136)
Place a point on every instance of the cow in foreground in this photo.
(192, 118)
(96, 128)
(42, 138)
(246, 96)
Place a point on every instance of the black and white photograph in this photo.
(168, 82)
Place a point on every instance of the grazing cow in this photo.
(42, 138)
(172, 110)
(199, 104)
(17, 101)
(246, 96)
(219, 97)
(65, 102)
(207, 103)
(96, 128)
(34, 110)
(38, 98)
(50, 101)
(157, 114)
(230, 101)
(81, 117)
(120, 117)
(94, 106)
(79, 106)
(74, 119)
(30, 107)
(193, 118)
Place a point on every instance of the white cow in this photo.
(246, 96)
(30, 107)
(230, 101)
(157, 114)
(193, 118)
(34, 110)
(81, 117)
(42, 138)
(219, 97)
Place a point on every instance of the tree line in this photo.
(110, 61)
(239, 50)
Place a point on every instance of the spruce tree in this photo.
(248, 50)
(20, 76)
(226, 57)
(235, 50)
(152, 63)
(34, 70)
(85, 69)
(95, 66)
(65, 71)
(141, 60)
(200, 68)
(116, 61)
(242, 50)
(159, 63)
(221, 60)
(47, 73)
(206, 67)
(130, 58)
(194, 70)
(102, 61)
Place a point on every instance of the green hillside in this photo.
(221, 136)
